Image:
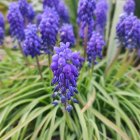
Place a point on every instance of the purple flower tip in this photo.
(49, 26)
(94, 48)
(128, 31)
(129, 7)
(55, 103)
(1, 36)
(67, 34)
(85, 15)
(69, 108)
(26, 10)
(101, 15)
(32, 42)
(16, 22)
(2, 28)
(2, 23)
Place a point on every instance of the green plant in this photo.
(109, 107)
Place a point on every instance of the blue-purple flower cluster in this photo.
(32, 43)
(85, 16)
(26, 10)
(31, 13)
(1, 36)
(129, 7)
(94, 48)
(38, 18)
(63, 12)
(23, 6)
(49, 27)
(2, 26)
(2, 21)
(50, 3)
(65, 64)
(16, 22)
(101, 15)
(67, 34)
(60, 8)
(128, 31)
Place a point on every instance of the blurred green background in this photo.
(138, 8)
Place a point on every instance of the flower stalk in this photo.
(127, 61)
(39, 67)
(111, 64)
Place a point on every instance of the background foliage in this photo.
(109, 106)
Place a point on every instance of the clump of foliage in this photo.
(106, 79)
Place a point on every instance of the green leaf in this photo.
(112, 42)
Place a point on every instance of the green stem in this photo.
(25, 58)
(109, 67)
(49, 59)
(8, 52)
(68, 120)
(132, 57)
(91, 70)
(126, 57)
(127, 61)
(39, 68)
(136, 61)
(85, 40)
(21, 49)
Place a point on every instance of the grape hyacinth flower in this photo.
(129, 7)
(1, 36)
(16, 22)
(65, 64)
(2, 28)
(67, 34)
(2, 23)
(101, 15)
(85, 16)
(60, 7)
(32, 43)
(94, 48)
(23, 6)
(128, 31)
(49, 26)
(50, 3)
(31, 13)
(63, 12)
(26, 10)
(38, 18)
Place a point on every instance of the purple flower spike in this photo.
(65, 64)
(32, 43)
(1, 36)
(63, 12)
(50, 3)
(129, 7)
(2, 29)
(38, 18)
(2, 23)
(26, 10)
(69, 108)
(16, 22)
(94, 48)
(67, 34)
(60, 7)
(101, 15)
(85, 16)
(55, 103)
(23, 6)
(31, 13)
(49, 26)
(128, 31)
